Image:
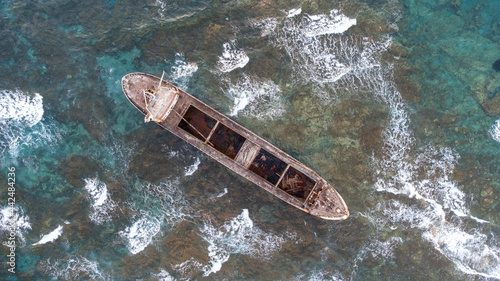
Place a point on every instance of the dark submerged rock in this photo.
(76, 167)
(496, 65)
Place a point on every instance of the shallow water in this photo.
(388, 100)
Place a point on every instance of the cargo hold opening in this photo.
(296, 184)
(197, 123)
(268, 166)
(226, 141)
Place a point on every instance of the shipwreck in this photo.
(233, 145)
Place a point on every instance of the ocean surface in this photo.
(394, 102)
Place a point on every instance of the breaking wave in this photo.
(495, 131)
(21, 123)
(51, 237)
(239, 236)
(102, 204)
(189, 170)
(72, 268)
(232, 57)
(255, 97)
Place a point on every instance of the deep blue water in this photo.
(389, 101)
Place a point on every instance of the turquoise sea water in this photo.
(393, 102)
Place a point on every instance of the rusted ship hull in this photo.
(233, 145)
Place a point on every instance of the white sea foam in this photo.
(20, 107)
(21, 123)
(495, 131)
(188, 171)
(255, 97)
(140, 234)
(163, 275)
(118, 154)
(163, 205)
(352, 64)
(232, 57)
(97, 190)
(14, 220)
(375, 247)
(72, 268)
(474, 251)
(181, 71)
(222, 193)
(191, 267)
(167, 198)
(102, 204)
(294, 12)
(266, 25)
(319, 275)
(51, 237)
(328, 58)
(239, 236)
(424, 173)
(315, 25)
(162, 7)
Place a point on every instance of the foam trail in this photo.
(102, 204)
(239, 236)
(495, 131)
(51, 237)
(232, 57)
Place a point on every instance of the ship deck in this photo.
(236, 147)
